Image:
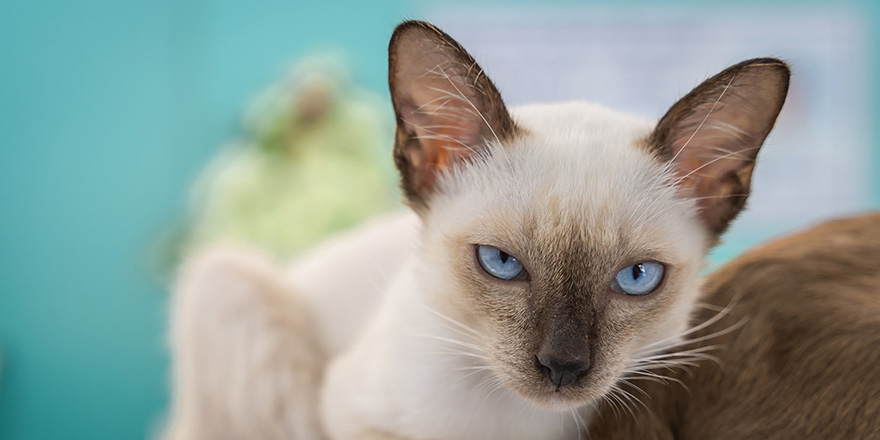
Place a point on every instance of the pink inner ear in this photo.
(441, 142)
(715, 146)
(445, 122)
(447, 109)
(437, 151)
(446, 145)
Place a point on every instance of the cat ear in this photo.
(447, 109)
(711, 137)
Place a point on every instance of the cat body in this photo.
(551, 251)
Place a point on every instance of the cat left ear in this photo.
(711, 137)
(447, 109)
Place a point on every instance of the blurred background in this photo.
(119, 122)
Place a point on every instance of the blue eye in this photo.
(639, 279)
(498, 263)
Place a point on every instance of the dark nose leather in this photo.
(562, 373)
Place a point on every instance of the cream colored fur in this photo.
(400, 377)
(245, 359)
(394, 331)
(379, 302)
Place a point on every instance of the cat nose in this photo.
(562, 372)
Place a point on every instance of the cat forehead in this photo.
(588, 121)
(579, 173)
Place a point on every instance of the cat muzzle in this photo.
(562, 372)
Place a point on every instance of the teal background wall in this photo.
(108, 110)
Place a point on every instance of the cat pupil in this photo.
(638, 271)
(503, 255)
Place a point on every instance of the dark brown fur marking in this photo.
(410, 45)
(747, 96)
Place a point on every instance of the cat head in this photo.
(568, 238)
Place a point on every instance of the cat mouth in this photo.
(562, 399)
(541, 392)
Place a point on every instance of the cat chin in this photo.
(548, 397)
(561, 400)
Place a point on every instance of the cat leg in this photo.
(245, 361)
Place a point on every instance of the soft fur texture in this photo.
(791, 352)
(245, 362)
(421, 342)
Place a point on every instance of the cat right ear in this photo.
(711, 137)
(447, 110)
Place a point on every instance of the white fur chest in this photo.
(418, 371)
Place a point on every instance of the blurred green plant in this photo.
(314, 159)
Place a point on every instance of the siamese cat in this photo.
(793, 354)
(551, 252)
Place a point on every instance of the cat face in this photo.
(574, 204)
(568, 236)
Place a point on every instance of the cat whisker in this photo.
(710, 152)
(597, 405)
(617, 393)
(468, 101)
(735, 326)
(508, 394)
(431, 107)
(716, 159)
(687, 354)
(476, 371)
(612, 403)
(477, 76)
(727, 196)
(684, 364)
(467, 112)
(673, 363)
(625, 381)
(490, 382)
(649, 210)
(441, 109)
(641, 365)
(438, 136)
(632, 398)
(697, 350)
(433, 126)
(683, 359)
(561, 423)
(464, 327)
(440, 72)
(709, 306)
(670, 366)
(676, 339)
(462, 353)
(664, 365)
(668, 167)
(579, 423)
(727, 129)
(651, 376)
(489, 386)
(449, 340)
(706, 118)
(475, 367)
(436, 70)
